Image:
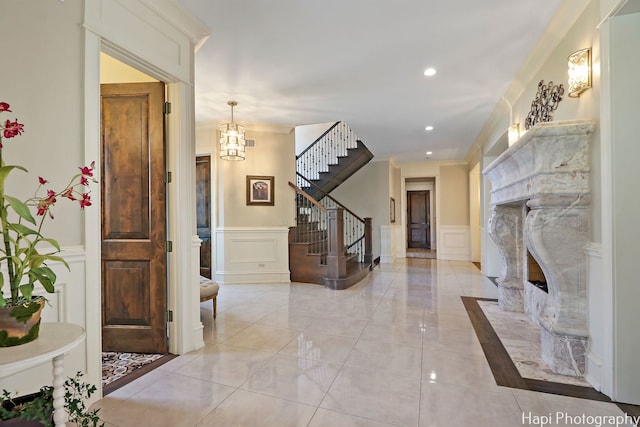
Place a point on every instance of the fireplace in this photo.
(540, 209)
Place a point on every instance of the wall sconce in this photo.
(232, 140)
(579, 72)
(513, 133)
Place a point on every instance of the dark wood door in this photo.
(134, 271)
(203, 212)
(419, 229)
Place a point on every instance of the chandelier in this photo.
(232, 143)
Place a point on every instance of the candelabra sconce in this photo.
(579, 72)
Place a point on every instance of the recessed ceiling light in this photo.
(429, 128)
(429, 153)
(430, 72)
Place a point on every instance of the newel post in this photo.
(368, 242)
(336, 259)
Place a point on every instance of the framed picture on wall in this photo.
(260, 191)
(392, 210)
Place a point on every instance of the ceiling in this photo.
(296, 62)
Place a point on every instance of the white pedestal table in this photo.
(54, 340)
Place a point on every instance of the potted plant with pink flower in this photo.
(24, 251)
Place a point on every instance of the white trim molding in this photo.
(252, 255)
(454, 243)
(388, 243)
(599, 318)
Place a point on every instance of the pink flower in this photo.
(4, 107)
(86, 200)
(42, 180)
(42, 207)
(88, 170)
(84, 180)
(12, 129)
(51, 196)
(69, 194)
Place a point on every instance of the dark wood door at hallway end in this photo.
(418, 227)
(134, 270)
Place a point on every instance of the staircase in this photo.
(330, 244)
(330, 160)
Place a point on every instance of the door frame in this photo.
(434, 198)
(186, 330)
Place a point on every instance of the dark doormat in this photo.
(119, 369)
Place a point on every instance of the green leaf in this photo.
(21, 209)
(53, 243)
(56, 258)
(27, 290)
(45, 276)
(5, 170)
(46, 272)
(22, 229)
(36, 260)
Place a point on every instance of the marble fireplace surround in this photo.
(540, 203)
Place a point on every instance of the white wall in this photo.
(250, 243)
(367, 193)
(45, 95)
(114, 71)
(474, 213)
(306, 135)
(625, 93)
(451, 205)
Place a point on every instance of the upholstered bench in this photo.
(209, 291)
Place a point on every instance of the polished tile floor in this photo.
(397, 349)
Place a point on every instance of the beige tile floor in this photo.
(395, 350)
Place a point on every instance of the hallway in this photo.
(398, 349)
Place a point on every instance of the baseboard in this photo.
(230, 278)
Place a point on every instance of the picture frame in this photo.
(260, 190)
(392, 210)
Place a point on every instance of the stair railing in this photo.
(356, 231)
(326, 150)
(312, 224)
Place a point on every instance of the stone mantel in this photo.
(540, 204)
(552, 158)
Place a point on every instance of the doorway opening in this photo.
(420, 219)
(134, 224)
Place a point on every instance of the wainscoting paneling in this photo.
(454, 243)
(388, 243)
(249, 255)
